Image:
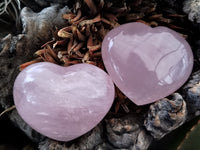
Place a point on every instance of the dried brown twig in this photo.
(7, 110)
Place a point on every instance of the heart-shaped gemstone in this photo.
(63, 103)
(146, 63)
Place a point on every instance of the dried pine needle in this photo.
(7, 110)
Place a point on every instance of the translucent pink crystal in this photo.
(146, 63)
(63, 103)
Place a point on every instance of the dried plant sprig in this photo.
(3, 6)
(84, 32)
(11, 8)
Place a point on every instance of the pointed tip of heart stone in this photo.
(63, 103)
(146, 63)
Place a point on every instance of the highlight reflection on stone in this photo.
(63, 103)
(146, 63)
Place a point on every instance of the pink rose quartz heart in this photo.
(146, 63)
(63, 103)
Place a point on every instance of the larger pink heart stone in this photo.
(146, 63)
(63, 103)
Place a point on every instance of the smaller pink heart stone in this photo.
(146, 63)
(63, 103)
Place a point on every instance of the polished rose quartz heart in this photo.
(146, 63)
(63, 103)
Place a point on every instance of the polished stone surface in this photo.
(63, 103)
(146, 63)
